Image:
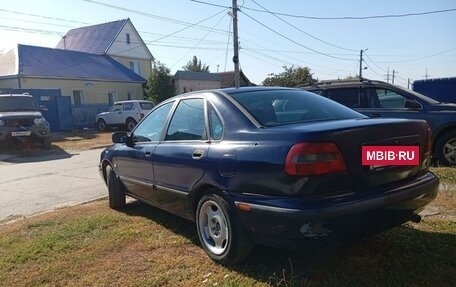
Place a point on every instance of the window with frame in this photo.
(78, 97)
(112, 97)
(128, 106)
(128, 38)
(187, 122)
(151, 128)
(389, 99)
(215, 124)
(349, 97)
(130, 95)
(116, 108)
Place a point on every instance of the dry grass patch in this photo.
(81, 140)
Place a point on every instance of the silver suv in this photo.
(21, 121)
(124, 113)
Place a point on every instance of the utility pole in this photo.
(361, 64)
(236, 45)
(394, 72)
(427, 75)
(388, 75)
(408, 83)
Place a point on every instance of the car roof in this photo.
(16, 95)
(133, 101)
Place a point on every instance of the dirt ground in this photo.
(81, 140)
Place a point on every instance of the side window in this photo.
(116, 108)
(390, 99)
(151, 128)
(187, 122)
(215, 124)
(128, 106)
(350, 97)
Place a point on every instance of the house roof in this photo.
(55, 63)
(94, 39)
(228, 79)
(200, 76)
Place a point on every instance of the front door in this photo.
(135, 163)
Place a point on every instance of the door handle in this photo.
(198, 154)
(148, 154)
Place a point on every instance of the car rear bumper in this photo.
(273, 220)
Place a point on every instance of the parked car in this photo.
(274, 166)
(124, 113)
(21, 120)
(380, 99)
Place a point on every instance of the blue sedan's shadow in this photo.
(382, 260)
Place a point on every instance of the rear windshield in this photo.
(17, 104)
(276, 107)
(146, 106)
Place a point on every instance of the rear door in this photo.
(179, 161)
(388, 103)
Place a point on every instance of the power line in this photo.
(211, 4)
(302, 31)
(199, 41)
(291, 40)
(28, 30)
(355, 18)
(421, 58)
(41, 16)
(196, 25)
(228, 42)
(374, 63)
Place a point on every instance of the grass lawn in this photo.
(92, 245)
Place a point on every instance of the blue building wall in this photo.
(440, 89)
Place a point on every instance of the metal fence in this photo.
(84, 115)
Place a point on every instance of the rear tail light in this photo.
(314, 159)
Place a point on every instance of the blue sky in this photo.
(330, 48)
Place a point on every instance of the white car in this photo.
(124, 113)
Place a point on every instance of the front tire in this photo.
(220, 234)
(116, 191)
(445, 149)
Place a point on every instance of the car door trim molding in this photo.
(135, 181)
(172, 190)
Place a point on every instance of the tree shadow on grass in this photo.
(403, 256)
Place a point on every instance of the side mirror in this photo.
(412, 104)
(43, 108)
(121, 137)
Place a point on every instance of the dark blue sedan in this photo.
(274, 166)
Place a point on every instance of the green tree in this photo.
(195, 65)
(291, 77)
(160, 85)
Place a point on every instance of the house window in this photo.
(135, 67)
(130, 95)
(112, 97)
(78, 97)
(128, 38)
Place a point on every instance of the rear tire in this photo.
(101, 125)
(220, 232)
(116, 191)
(131, 123)
(445, 149)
